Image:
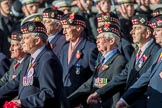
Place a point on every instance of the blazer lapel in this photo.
(108, 63)
(79, 48)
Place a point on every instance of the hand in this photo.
(120, 104)
(18, 102)
(93, 98)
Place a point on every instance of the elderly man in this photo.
(19, 58)
(140, 61)
(124, 46)
(79, 55)
(40, 82)
(51, 20)
(107, 42)
(151, 80)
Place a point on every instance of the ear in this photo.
(148, 33)
(112, 41)
(79, 28)
(37, 40)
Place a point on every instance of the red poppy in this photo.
(78, 54)
(104, 67)
(10, 105)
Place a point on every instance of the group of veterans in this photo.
(79, 59)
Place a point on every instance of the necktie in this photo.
(138, 55)
(16, 65)
(102, 60)
(31, 62)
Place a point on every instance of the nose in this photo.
(11, 48)
(64, 31)
(132, 31)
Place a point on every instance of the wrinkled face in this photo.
(28, 42)
(70, 32)
(138, 33)
(16, 49)
(105, 5)
(158, 35)
(51, 25)
(102, 43)
(5, 6)
(30, 8)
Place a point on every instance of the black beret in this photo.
(140, 19)
(108, 17)
(16, 35)
(73, 19)
(33, 27)
(109, 28)
(52, 13)
(156, 22)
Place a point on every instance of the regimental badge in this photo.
(37, 19)
(31, 28)
(100, 82)
(77, 69)
(142, 20)
(52, 14)
(106, 17)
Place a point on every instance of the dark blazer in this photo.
(47, 82)
(57, 43)
(12, 73)
(79, 69)
(150, 82)
(130, 74)
(4, 64)
(126, 48)
(115, 64)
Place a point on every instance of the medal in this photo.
(77, 69)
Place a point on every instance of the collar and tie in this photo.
(138, 55)
(16, 65)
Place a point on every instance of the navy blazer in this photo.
(79, 69)
(4, 64)
(47, 84)
(115, 64)
(130, 74)
(57, 43)
(150, 82)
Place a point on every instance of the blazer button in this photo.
(137, 78)
(148, 97)
(148, 85)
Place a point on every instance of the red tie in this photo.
(16, 65)
(138, 54)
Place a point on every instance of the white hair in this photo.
(110, 35)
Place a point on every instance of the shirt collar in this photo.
(109, 55)
(52, 37)
(35, 54)
(146, 45)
